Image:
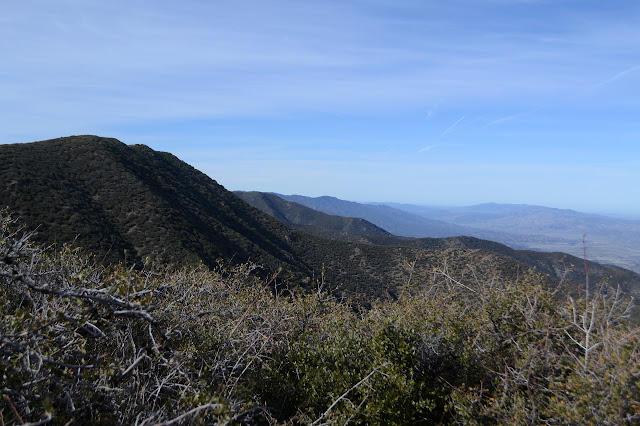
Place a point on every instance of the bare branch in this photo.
(13, 407)
(344, 395)
(190, 413)
(47, 419)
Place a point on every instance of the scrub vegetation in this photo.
(85, 343)
(131, 204)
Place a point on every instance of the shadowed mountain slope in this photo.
(116, 199)
(134, 204)
(561, 266)
(310, 220)
(395, 221)
(406, 223)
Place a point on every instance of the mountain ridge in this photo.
(520, 226)
(131, 203)
(609, 239)
(556, 264)
(134, 204)
(306, 218)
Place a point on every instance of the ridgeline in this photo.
(135, 205)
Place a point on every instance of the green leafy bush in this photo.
(90, 344)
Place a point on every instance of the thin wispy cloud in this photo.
(501, 120)
(434, 108)
(429, 148)
(295, 75)
(619, 75)
(505, 119)
(453, 126)
(200, 59)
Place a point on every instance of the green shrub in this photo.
(88, 344)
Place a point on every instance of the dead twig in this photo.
(344, 395)
(190, 413)
(15, 410)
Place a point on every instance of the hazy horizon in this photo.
(391, 203)
(421, 102)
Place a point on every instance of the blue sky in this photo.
(425, 102)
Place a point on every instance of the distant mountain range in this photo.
(609, 240)
(137, 205)
(296, 215)
(393, 220)
(310, 220)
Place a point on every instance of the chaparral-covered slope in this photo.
(133, 204)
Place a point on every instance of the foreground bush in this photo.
(86, 344)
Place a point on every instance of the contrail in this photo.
(619, 76)
(503, 119)
(446, 132)
(427, 148)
